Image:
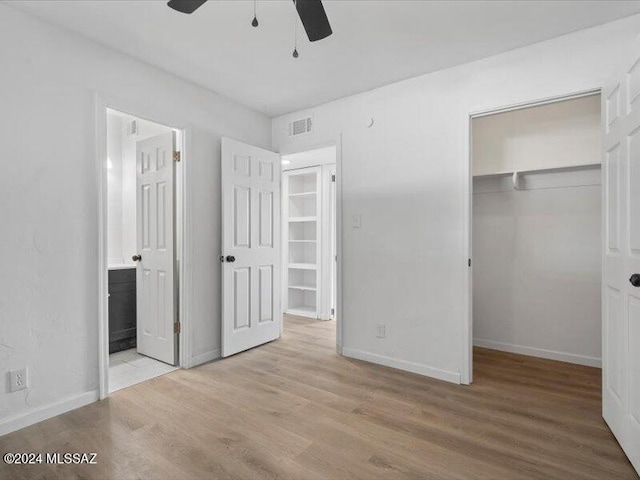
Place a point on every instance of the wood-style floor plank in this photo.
(295, 410)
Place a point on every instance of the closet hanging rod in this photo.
(569, 168)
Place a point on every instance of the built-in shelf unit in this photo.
(302, 249)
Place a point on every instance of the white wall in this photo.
(561, 134)
(309, 158)
(114, 190)
(407, 176)
(48, 203)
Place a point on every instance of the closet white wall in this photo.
(536, 249)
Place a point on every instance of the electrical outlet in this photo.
(381, 331)
(356, 221)
(18, 379)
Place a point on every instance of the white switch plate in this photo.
(381, 331)
(356, 221)
(18, 379)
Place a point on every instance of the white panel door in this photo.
(251, 312)
(621, 274)
(156, 298)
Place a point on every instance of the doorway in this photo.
(309, 234)
(280, 242)
(142, 245)
(536, 218)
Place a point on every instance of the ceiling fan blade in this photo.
(186, 6)
(314, 19)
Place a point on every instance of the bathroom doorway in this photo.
(142, 243)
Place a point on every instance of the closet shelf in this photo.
(303, 194)
(302, 219)
(303, 266)
(567, 168)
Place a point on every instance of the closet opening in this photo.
(309, 252)
(536, 232)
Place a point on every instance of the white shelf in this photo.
(303, 266)
(565, 168)
(303, 311)
(302, 218)
(309, 288)
(303, 194)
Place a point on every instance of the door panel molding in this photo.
(251, 313)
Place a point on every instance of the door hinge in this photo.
(333, 178)
(176, 327)
(469, 262)
(333, 312)
(177, 157)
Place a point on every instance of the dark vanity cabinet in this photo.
(122, 309)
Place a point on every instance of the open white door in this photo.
(251, 312)
(621, 273)
(156, 302)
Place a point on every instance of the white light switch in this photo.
(356, 221)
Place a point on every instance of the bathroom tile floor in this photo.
(128, 367)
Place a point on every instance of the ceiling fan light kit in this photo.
(311, 12)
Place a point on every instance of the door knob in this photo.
(231, 258)
(136, 258)
(635, 279)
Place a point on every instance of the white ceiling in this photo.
(374, 42)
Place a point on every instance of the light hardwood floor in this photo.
(294, 409)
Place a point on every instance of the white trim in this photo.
(466, 367)
(103, 282)
(412, 367)
(167, 118)
(539, 352)
(467, 327)
(205, 357)
(185, 255)
(339, 299)
(11, 424)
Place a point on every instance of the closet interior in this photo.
(536, 230)
(309, 223)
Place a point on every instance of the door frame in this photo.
(152, 113)
(466, 374)
(337, 143)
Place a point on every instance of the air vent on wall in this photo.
(301, 126)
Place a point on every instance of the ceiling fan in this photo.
(311, 12)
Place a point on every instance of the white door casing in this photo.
(251, 264)
(155, 272)
(621, 252)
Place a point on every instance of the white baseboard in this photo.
(539, 352)
(418, 368)
(11, 424)
(205, 357)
